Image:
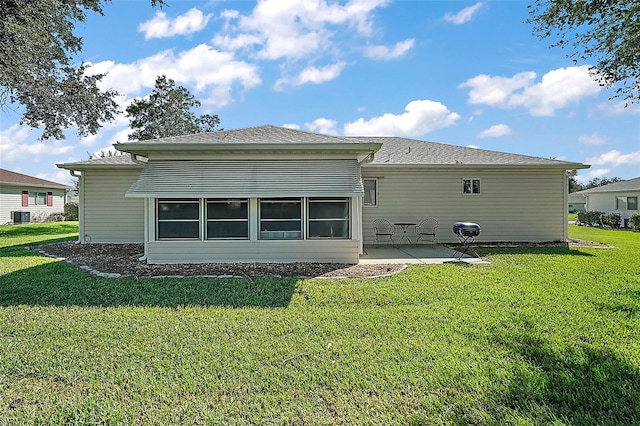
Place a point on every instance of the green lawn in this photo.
(540, 336)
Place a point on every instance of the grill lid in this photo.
(467, 229)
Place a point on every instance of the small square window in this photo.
(370, 192)
(471, 186)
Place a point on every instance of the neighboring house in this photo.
(619, 197)
(577, 202)
(270, 194)
(33, 197)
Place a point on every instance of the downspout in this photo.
(134, 158)
(81, 235)
(360, 201)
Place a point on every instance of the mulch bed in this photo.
(123, 259)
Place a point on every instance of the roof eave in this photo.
(567, 166)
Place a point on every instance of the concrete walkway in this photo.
(424, 254)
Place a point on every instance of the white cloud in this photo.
(593, 139)
(421, 117)
(387, 53)
(291, 126)
(14, 134)
(464, 16)
(591, 174)
(295, 29)
(495, 131)
(618, 108)
(615, 158)
(313, 75)
(161, 26)
(322, 125)
(209, 70)
(11, 151)
(557, 89)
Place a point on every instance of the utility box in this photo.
(21, 217)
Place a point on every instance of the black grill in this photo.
(466, 229)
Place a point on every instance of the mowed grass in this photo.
(540, 336)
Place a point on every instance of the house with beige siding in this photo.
(271, 194)
(28, 198)
(619, 197)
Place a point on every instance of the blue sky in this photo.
(458, 72)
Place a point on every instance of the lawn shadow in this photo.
(62, 284)
(578, 384)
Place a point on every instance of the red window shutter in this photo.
(25, 198)
(49, 199)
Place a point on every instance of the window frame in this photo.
(208, 201)
(176, 201)
(286, 234)
(472, 191)
(626, 199)
(346, 219)
(375, 203)
(34, 197)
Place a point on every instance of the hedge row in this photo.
(612, 220)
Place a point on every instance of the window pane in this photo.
(178, 229)
(621, 203)
(280, 225)
(476, 186)
(370, 187)
(227, 209)
(466, 186)
(329, 229)
(328, 209)
(224, 229)
(178, 210)
(632, 203)
(280, 209)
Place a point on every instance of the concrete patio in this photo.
(423, 254)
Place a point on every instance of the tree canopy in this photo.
(604, 31)
(167, 112)
(574, 186)
(39, 66)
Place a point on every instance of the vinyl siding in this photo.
(606, 201)
(334, 251)
(522, 205)
(11, 200)
(109, 217)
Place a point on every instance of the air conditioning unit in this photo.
(21, 217)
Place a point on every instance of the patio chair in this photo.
(426, 231)
(384, 231)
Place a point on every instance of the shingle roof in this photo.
(394, 150)
(251, 135)
(116, 160)
(15, 178)
(577, 197)
(625, 185)
(404, 151)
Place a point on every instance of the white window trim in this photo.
(308, 220)
(472, 193)
(376, 180)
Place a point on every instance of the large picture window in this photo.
(281, 219)
(178, 219)
(228, 219)
(329, 218)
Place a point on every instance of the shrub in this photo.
(590, 218)
(611, 220)
(71, 211)
(634, 221)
